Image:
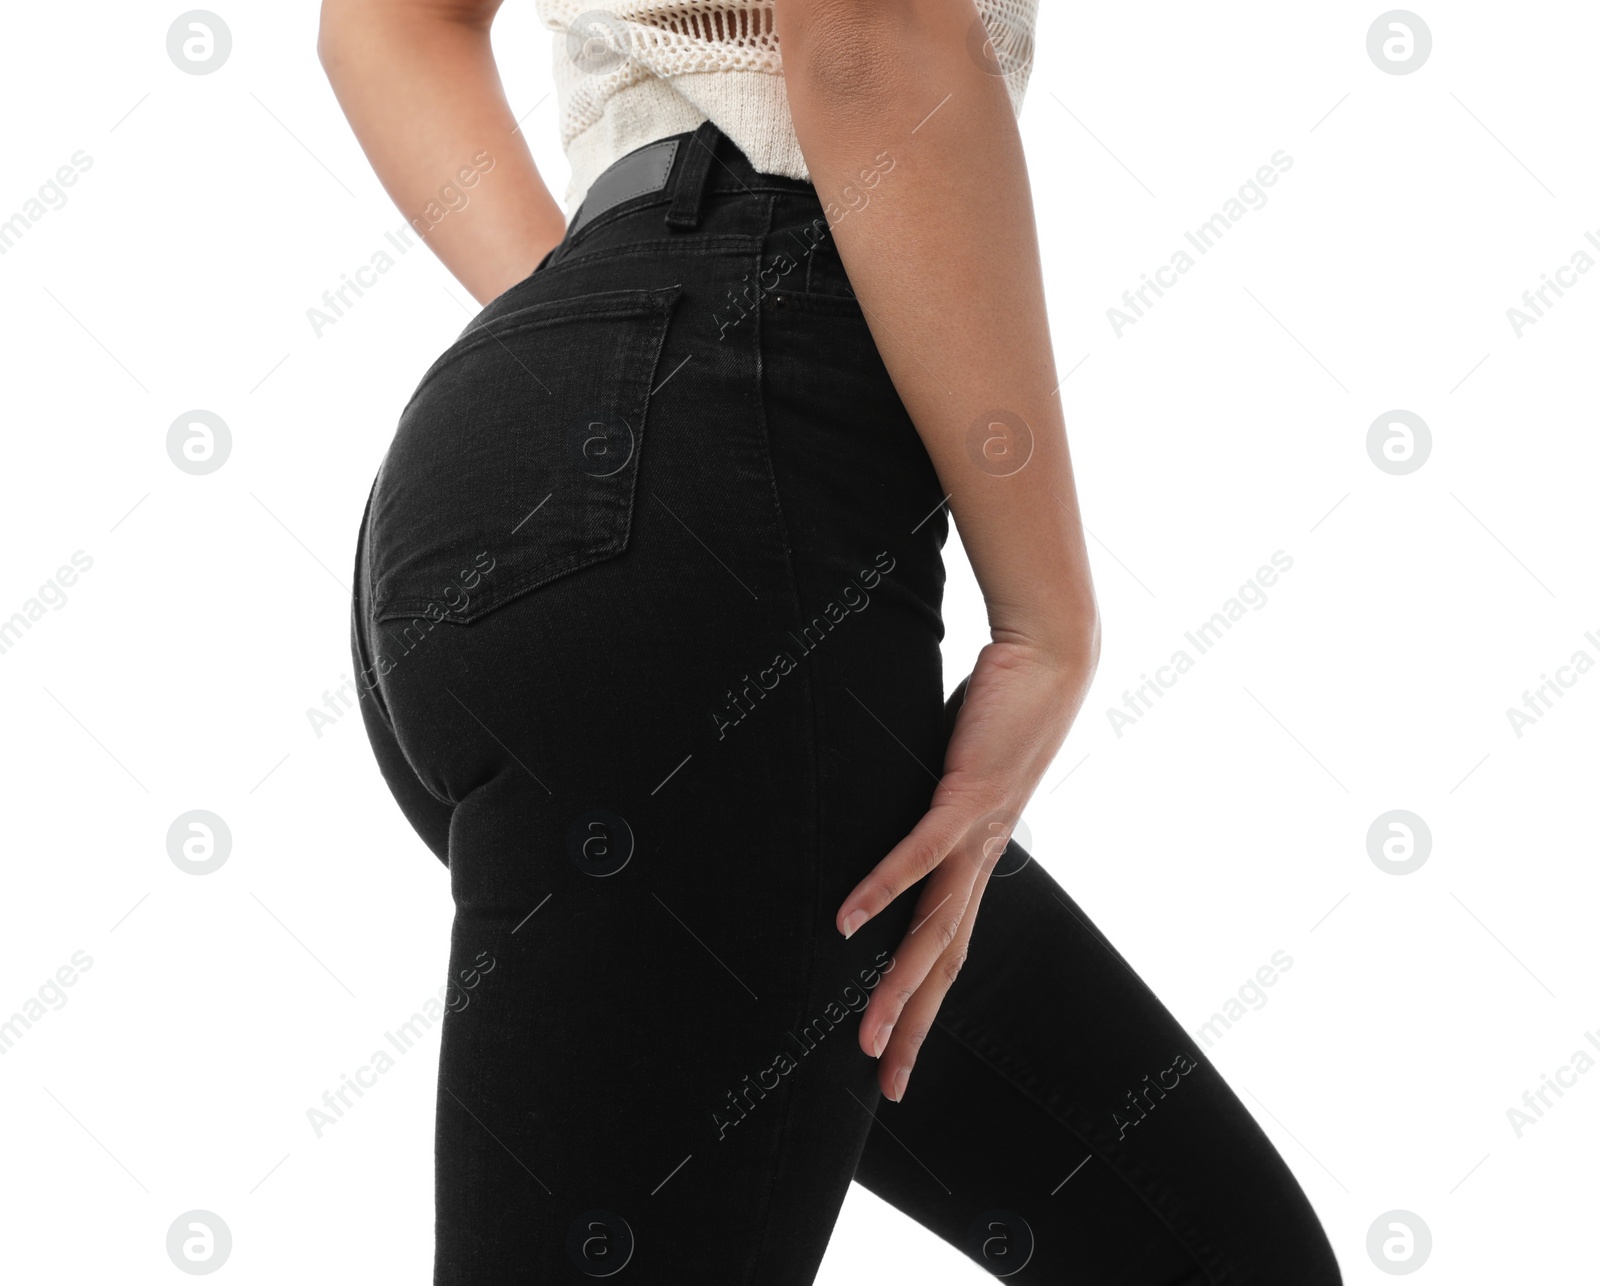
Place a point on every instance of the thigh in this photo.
(1071, 1118)
(976, 1159)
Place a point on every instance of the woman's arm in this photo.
(944, 260)
(418, 82)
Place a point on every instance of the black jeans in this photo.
(647, 617)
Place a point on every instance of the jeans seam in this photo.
(756, 1258)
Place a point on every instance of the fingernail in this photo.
(880, 1040)
(854, 921)
(900, 1079)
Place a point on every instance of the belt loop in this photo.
(689, 187)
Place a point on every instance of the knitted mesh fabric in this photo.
(644, 69)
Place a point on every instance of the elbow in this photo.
(333, 22)
(1089, 630)
(1079, 645)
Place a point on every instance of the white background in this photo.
(1229, 422)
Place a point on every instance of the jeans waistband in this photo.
(686, 168)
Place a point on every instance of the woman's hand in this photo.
(1020, 701)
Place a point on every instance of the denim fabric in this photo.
(647, 615)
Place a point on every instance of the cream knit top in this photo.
(646, 69)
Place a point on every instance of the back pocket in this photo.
(515, 460)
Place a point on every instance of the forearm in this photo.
(944, 260)
(418, 83)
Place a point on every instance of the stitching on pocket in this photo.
(596, 304)
(512, 447)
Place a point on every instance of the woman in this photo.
(647, 612)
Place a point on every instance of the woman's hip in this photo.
(620, 526)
